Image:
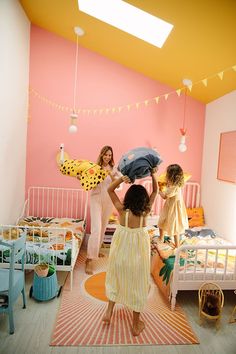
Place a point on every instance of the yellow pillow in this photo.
(195, 217)
(162, 177)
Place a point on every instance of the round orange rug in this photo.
(95, 286)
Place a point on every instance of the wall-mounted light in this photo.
(73, 117)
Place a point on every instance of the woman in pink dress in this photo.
(100, 207)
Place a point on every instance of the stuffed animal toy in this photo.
(89, 173)
(139, 162)
(211, 305)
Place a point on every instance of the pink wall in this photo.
(101, 83)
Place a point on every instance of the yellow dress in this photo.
(173, 217)
(128, 273)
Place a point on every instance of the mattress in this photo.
(49, 240)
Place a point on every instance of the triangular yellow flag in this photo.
(178, 92)
(221, 75)
(190, 87)
(157, 99)
(146, 102)
(204, 81)
(234, 67)
(166, 96)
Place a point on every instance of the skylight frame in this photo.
(153, 29)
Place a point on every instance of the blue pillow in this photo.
(138, 162)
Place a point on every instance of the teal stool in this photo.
(45, 288)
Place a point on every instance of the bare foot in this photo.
(107, 317)
(88, 267)
(138, 328)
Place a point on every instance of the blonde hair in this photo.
(175, 175)
(102, 153)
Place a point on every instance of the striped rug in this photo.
(79, 321)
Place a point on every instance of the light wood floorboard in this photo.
(33, 328)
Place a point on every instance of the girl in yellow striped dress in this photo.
(128, 273)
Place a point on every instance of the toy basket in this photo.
(45, 287)
(208, 293)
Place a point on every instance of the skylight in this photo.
(128, 18)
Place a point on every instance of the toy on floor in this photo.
(233, 314)
(211, 302)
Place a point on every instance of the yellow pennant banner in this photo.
(128, 106)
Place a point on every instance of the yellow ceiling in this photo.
(201, 44)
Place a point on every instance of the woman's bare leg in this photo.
(107, 317)
(138, 326)
(161, 235)
(176, 238)
(88, 266)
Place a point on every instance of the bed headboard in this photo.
(56, 202)
(191, 195)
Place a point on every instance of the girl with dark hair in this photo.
(128, 273)
(100, 207)
(173, 218)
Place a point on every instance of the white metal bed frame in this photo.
(191, 196)
(52, 202)
(181, 280)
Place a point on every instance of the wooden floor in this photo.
(33, 328)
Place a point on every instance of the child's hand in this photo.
(154, 170)
(126, 179)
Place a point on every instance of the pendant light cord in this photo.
(76, 71)
(185, 94)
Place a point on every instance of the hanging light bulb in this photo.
(73, 117)
(73, 123)
(182, 145)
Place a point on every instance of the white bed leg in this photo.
(71, 280)
(173, 301)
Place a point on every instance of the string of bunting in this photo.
(129, 106)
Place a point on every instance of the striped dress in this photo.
(128, 273)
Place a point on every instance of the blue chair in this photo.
(12, 281)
